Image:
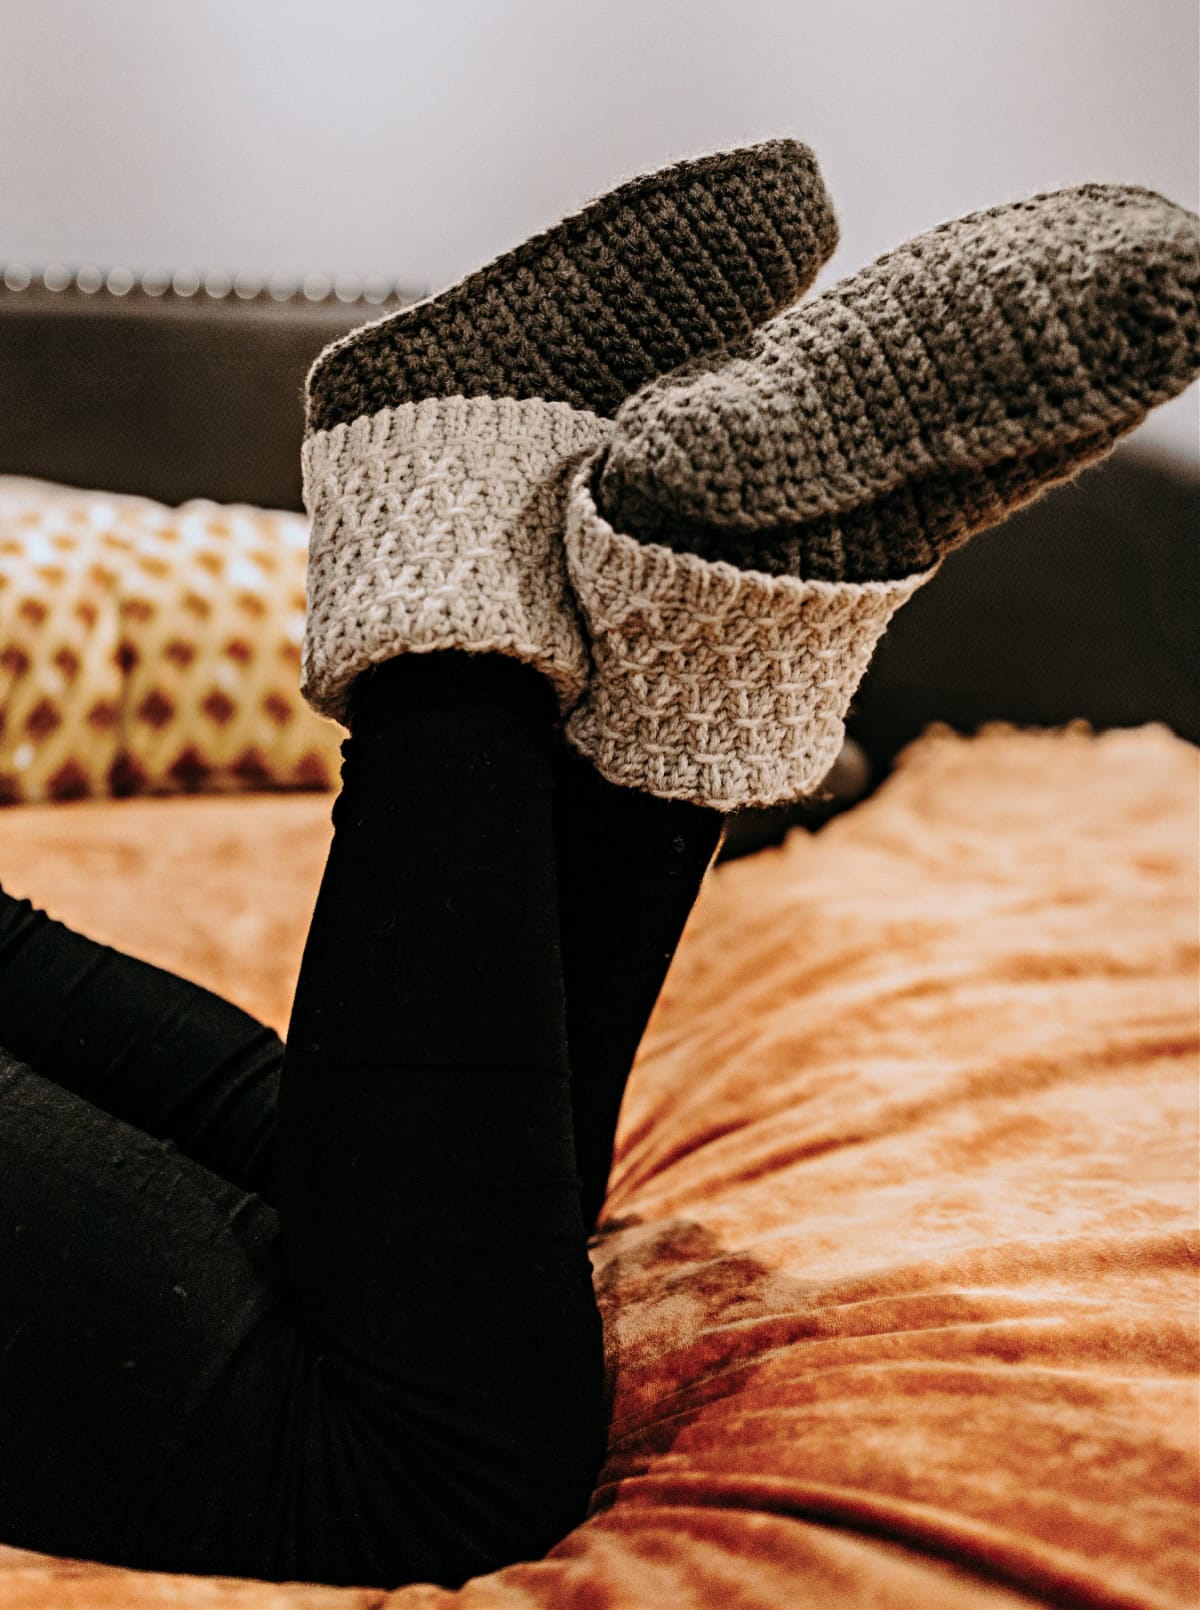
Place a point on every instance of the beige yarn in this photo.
(438, 525)
(722, 686)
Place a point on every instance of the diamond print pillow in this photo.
(145, 649)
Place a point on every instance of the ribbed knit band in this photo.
(722, 686)
(438, 525)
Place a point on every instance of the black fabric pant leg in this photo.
(398, 1375)
(630, 868)
(136, 1290)
(183, 1064)
(152, 1048)
(454, 1130)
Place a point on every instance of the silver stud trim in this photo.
(90, 279)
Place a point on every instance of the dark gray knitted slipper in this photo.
(866, 433)
(672, 264)
(440, 438)
(740, 545)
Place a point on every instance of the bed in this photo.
(898, 1263)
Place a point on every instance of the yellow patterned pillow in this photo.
(145, 649)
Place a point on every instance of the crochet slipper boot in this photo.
(441, 439)
(739, 546)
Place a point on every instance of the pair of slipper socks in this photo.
(613, 453)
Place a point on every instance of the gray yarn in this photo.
(676, 262)
(440, 438)
(866, 433)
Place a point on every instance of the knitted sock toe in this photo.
(670, 265)
(441, 439)
(865, 434)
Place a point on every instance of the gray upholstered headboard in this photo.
(1082, 606)
(174, 387)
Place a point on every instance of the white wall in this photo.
(417, 140)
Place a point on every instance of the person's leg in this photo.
(436, 455)
(399, 1374)
(185, 1065)
(426, 1085)
(160, 1052)
(620, 851)
(132, 1282)
(181, 1063)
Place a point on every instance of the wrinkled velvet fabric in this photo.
(898, 1264)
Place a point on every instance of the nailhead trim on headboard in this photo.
(170, 384)
(217, 284)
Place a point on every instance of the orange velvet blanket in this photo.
(900, 1270)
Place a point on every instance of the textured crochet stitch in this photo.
(686, 260)
(711, 683)
(441, 438)
(438, 525)
(868, 432)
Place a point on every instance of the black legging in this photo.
(327, 1311)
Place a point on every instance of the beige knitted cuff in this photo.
(438, 525)
(721, 686)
